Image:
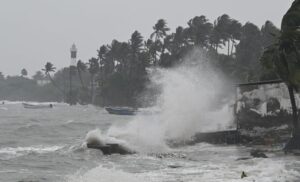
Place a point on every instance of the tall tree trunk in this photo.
(228, 49)
(53, 83)
(80, 77)
(155, 57)
(232, 45)
(294, 109)
(92, 89)
(64, 82)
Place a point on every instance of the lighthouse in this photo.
(73, 51)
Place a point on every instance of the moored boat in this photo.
(121, 110)
(37, 106)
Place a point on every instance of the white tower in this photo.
(73, 55)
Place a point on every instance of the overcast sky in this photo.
(33, 32)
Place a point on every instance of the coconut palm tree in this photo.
(160, 31)
(221, 29)
(93, 70)
(234, 31)
(136, 45)
(48, 69)
(136, 42)
(84, 93)
(248, 51)
(101, 52)
(199, 30)
(284, 57)
(81, 67)
(269, 33)
(24, 72)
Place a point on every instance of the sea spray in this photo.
(95, 137)
(190, 101)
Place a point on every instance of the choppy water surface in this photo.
(47, 145)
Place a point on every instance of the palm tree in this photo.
(102, 52)
(84, 93)
(136, 45)
(269, 34)
(179, 43)
(48, 69)
(234, 31)
(222, 25)
(160, 31)
(93, 70)
(24, 72)
(81, 67)
(248, 51)
(136, 42)
(151, 50)
(215, 38)
(199, 30)
(228, 30)
(284, 57)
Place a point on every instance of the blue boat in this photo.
(121, 110)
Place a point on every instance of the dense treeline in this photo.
(117, 74)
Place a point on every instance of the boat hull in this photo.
(37, 106)
(121, 111)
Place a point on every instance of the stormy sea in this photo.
(50, 144)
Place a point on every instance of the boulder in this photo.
(111, 148)
(258, 154)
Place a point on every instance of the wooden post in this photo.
(294, 109)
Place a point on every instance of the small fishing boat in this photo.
(121, 110)
(37, 106)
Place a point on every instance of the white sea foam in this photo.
(96, 137)
(101, 174)
(11, 152)
(4, 108)
(190, 101)
(257, 170)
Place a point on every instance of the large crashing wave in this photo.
(191, 100)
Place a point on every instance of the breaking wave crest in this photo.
(191, 99)
(12, 152)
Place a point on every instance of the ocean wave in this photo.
(102, 174)
(7, 102)
(12, 152)
(266, 170)
(3, 108)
